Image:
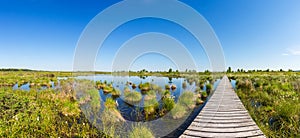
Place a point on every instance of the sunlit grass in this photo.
(187, 99)
(178, 111)
(116, 93)
(273, 102)
(41, 114)
(140, 131)
(168, 103)
(150, 106)
(63, 111)
(144, 86)
(150, 95)
(133, 97)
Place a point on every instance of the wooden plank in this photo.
(218, 100)
(224, 103)
(221, 112)
(225, 106)
(224, 118)
(215, 125)
(222, 121)
(219, 108)
(224, 115)
(224, 130)
(211, 134)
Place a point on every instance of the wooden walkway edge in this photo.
(224, 115)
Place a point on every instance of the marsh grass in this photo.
(184, 85)
(140, 131)
(198, 90)
(168, 103)
(145, 86)
(95, 102)
(273, 102)
(209, 87)
(156, 88)
(204, 94)
(108, 89)
(179, 111)
(110, 103)
(150, 95)
(167, 87)
(116, 93)
(109, 123)
(166, 94)
(133, 97)
(187, 99)
(150, 106)
(186, 102)
(57, 113)
(199, 101)
(126, 89)
(41, 114)
(111, 109)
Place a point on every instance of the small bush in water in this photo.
(133, 97)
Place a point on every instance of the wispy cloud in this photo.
(291, 52)
(294, 52)
(285, 54)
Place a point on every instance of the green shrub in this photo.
(204, 94)
(209, 87)
(133, 97)
(167, 87)
(144, 86)
(107, 89)
(116, 93)
(150, 106)
(199, 101)
(168, 103)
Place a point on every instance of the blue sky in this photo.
(254, 34)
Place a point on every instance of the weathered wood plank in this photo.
(222, 121)
(221, 112)
(224, 115)
(216, 134)
(224, 130)
(214, 125)
(223, 118)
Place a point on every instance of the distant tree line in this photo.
(229, 70)
(11, 69)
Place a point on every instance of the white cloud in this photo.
(285, 54)
(294, 52)
(291, 52)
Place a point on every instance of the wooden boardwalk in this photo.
(223, 116)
